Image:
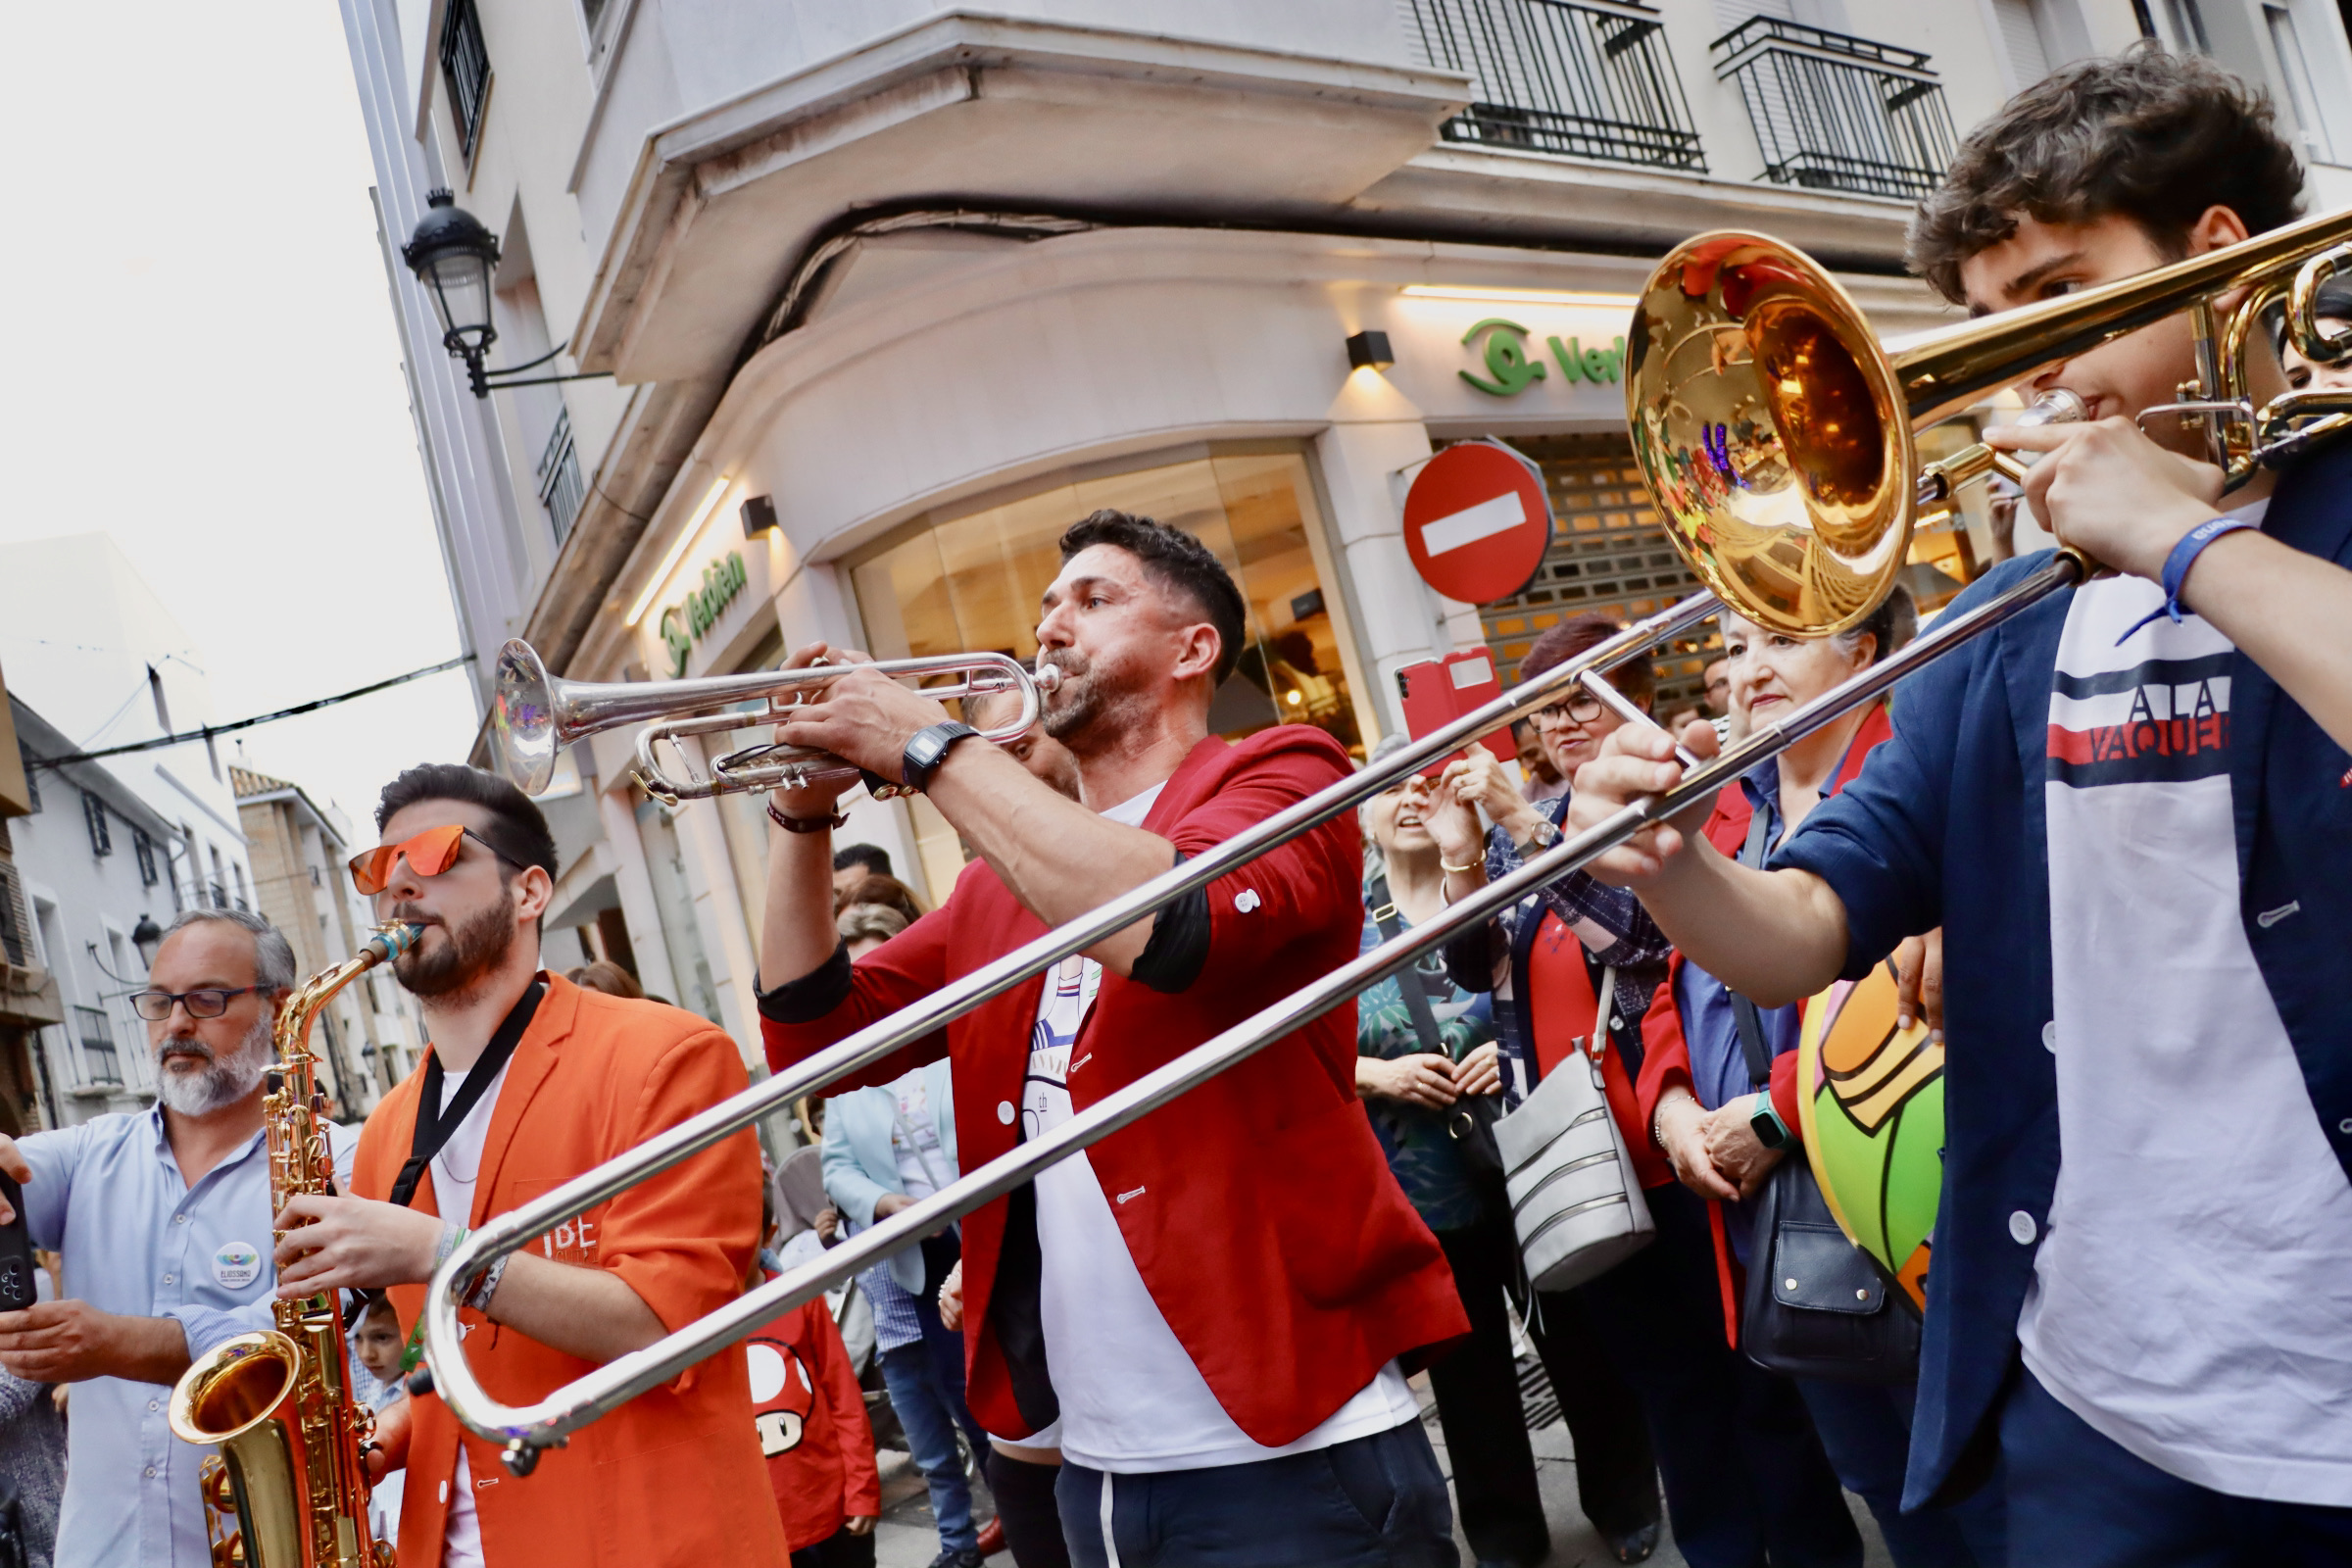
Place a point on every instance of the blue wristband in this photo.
(2176, 568)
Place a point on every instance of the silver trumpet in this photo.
(535, 715)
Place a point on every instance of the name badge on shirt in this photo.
(236, 1266)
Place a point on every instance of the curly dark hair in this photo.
(1175, 559)
(2156, 137)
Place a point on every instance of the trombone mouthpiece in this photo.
(2057, 406)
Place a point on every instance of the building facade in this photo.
(91, 865)
(298, 854)
(31, 999)
(888, 294)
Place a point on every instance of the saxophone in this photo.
(279, 1403)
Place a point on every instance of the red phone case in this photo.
(1440, 691)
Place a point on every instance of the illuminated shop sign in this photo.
(1514, 362)
(683, 624)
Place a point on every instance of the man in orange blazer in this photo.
(532, 1081)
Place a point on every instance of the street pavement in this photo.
(907, 1539)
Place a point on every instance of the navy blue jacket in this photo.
(1946, 827)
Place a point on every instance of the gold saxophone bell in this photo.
(241, 1397)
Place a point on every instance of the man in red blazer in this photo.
(1208, 1308)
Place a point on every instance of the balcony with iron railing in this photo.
(561, 488)
(1837, 113)
(1584, 79)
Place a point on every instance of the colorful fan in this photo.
(1871, 1099)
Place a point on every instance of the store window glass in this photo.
(971, 583)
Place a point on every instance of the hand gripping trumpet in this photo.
(291, 1468)
(1775, 435)
(535, 715)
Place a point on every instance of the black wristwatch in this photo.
(924, 751)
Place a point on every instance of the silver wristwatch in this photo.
(1543, 835)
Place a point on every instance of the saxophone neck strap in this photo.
(435, 1125)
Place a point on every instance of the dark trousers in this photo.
(1025, 1506)
(1616, 1466)
(1746, 1480)
(840, 1549)
(2082, 1500)
(1376, 1502)
(1866, 1429)
(1477, 1385)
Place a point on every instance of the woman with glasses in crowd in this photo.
(1723, 1130)
(1745, 1476)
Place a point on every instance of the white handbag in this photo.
(1576, 1202)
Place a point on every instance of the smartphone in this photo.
(17, 1269)
(1440, 691)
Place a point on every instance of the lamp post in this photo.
(454, 256)
(146, 936)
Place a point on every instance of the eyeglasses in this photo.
(429, 853)
(209, 1002)
(1582, 708)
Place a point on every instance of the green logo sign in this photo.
(1510, 371)
(683, 626)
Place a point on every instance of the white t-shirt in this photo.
(2192, 1300)
(456, 1169)
(914, 1144)
(1131, 1398)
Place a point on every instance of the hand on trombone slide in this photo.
(2108, 490)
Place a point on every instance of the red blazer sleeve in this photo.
(903, 971)
(1286, 892)
(853, 1433)
(1665, 1053)
(1783, 1092)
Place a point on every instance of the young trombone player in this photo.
(2129, 808)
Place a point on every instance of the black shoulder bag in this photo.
(1472, 1119)
(1815, 1306)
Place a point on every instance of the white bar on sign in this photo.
(1473, 672)
(1473, 523)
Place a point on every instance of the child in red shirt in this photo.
(819, 1445)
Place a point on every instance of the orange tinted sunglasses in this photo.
(429, 853)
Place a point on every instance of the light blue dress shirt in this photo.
(137, 1240)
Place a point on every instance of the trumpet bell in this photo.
(523, 734)
(1772, 432)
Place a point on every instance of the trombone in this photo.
(1776, 436)
(535, 715)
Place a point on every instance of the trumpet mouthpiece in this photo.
(1047, 678)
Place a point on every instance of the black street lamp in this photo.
(452, 256)
(146, 936)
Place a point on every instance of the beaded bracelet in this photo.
(2176, 568)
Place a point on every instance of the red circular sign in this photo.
(1477, 522)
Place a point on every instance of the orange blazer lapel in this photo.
(533, 1059)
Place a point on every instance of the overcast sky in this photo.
(202, 361)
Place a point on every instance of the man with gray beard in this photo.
(164, 1218)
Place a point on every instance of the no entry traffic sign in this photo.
(1477, 522)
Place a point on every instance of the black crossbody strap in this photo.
(1408, 980)
(1743, 1012)
(435, 1125)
